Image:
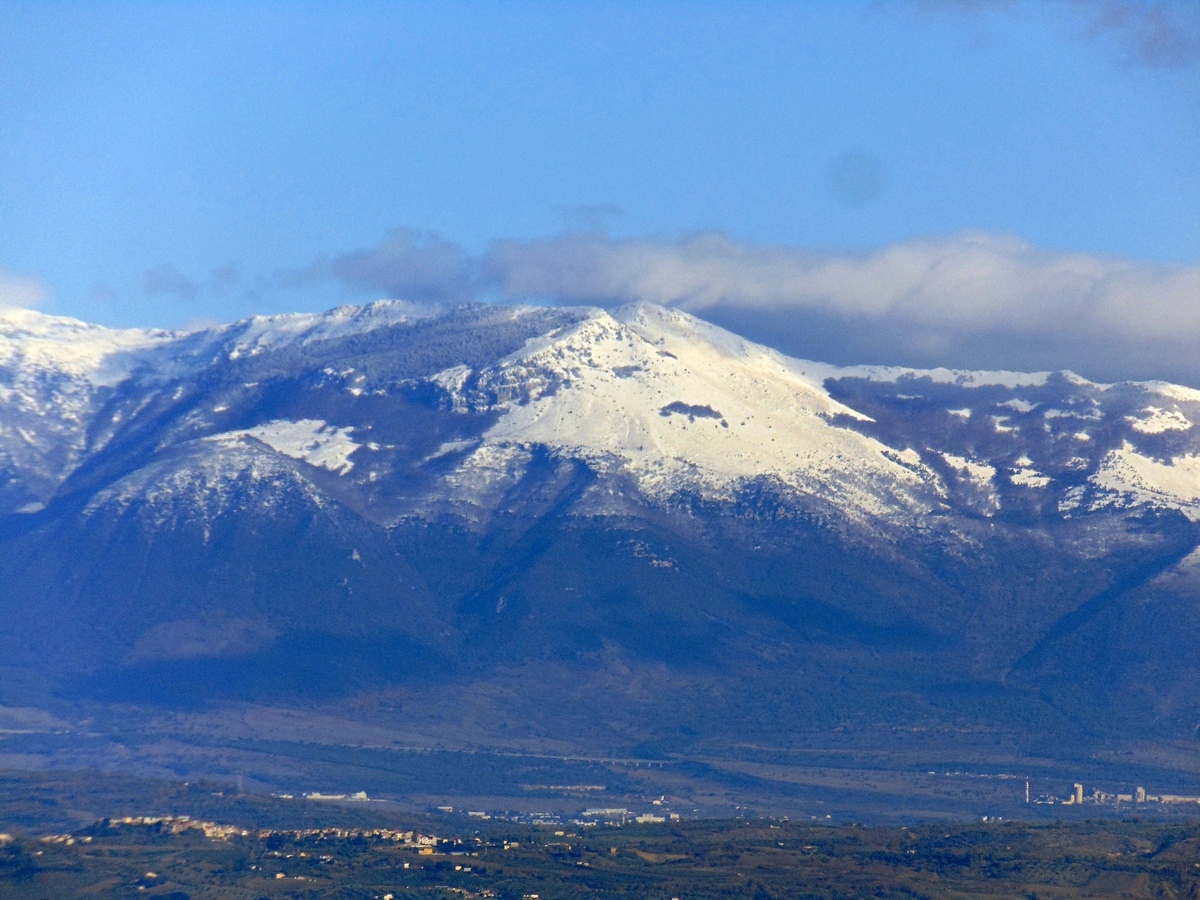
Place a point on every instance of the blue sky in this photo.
(167, 163)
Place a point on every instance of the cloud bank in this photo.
(960, 300)
(967, 282)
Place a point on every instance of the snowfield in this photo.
(1128, 478)
(682, 405)
(34, 344)
(309, 440)
(1156, 421)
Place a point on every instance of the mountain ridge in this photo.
(120, 357)
(396, 494)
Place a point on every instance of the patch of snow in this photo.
(1173, 391)
(309, 440)
(1181, 576)
(452, 381)
(1029, 478)
(1071, 500)
(980, 473)
(1155, 421)
(450, 447)
(1019, 405)
(488, 474)
(1128, 478)
(961, 377)
(54, 370)
(1092, 415)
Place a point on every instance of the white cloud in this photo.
(20, 291)
(968, 282)
(966, 300)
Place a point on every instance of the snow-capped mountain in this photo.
(486, 480)
(51, 372)
(666, 402)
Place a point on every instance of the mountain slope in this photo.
(331, 504)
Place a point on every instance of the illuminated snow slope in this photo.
(684, 405)
(32, 344)
(311, 440)
(52, 370)
(651, 396)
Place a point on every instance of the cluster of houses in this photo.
(427, 843)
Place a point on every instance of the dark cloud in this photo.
(166, 280)
(1160, 34)
(589, 216)
(409, 265)
(315, 273)
(226, 278)
(961, 6)
(857, 179)
(102, 293)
